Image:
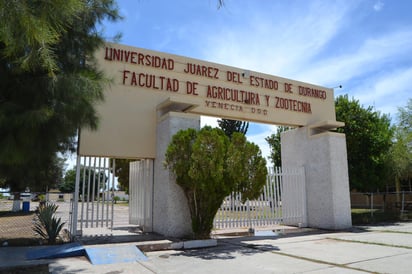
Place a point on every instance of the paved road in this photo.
(379, 249)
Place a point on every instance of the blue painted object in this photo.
(56, 251)
(26, 206)
(115, 254)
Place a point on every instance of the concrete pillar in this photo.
(171, 216)
(324, 158)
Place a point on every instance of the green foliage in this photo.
(38, 175)
(69, 181)
(30, 30)
(97, 179)
(275, 145)
(405, 117)
(368, 138)
(47, 89)
(231, 126)
(401, 152)
(47, 225)
(209, 166)
(122, 173)
(42, 197)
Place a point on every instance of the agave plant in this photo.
(47, 225)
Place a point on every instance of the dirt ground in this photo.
(16, 228)
(19, 226)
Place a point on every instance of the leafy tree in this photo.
(97, 179)
(69, 182)
(401, 151)
(30, 31)
(38, 177)
(405, 117)
(122, 173)
(231, 126)
(274, 143)
(209, 166)
(47, 89)
(368, 138)
(400, 162)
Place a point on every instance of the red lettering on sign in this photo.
(233, 77)
(133, 57)
(288, 87)
(200, 70)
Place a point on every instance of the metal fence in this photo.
(281, 202)
(269, 209)
(393, 201)
(30, 201)
(17, 218)
(93, 200)
(141, 193)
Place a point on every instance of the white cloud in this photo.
(378, 6)
(301, 48)
(280, 45)
(371, 56)
(386, 92)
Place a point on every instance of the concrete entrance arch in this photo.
(154, 94)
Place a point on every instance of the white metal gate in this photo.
(141, 194)
(92, 203)
(283, 201)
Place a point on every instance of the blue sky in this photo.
(365, 46)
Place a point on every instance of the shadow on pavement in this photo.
(226, 251)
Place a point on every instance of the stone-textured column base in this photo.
(324, 158)
(171, 216)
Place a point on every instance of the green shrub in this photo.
(47, 225)
(208, 166)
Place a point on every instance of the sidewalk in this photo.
(375, 249)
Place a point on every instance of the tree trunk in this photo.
(398, 189)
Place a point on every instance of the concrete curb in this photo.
(177, 245)
(281, 232)
(194, 244)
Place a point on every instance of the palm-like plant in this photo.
(47, 225)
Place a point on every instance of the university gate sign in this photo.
(154, 94)
(145, 81)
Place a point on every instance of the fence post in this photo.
(248, 216)
(403, 203)
(73, 228)
(371, 204)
